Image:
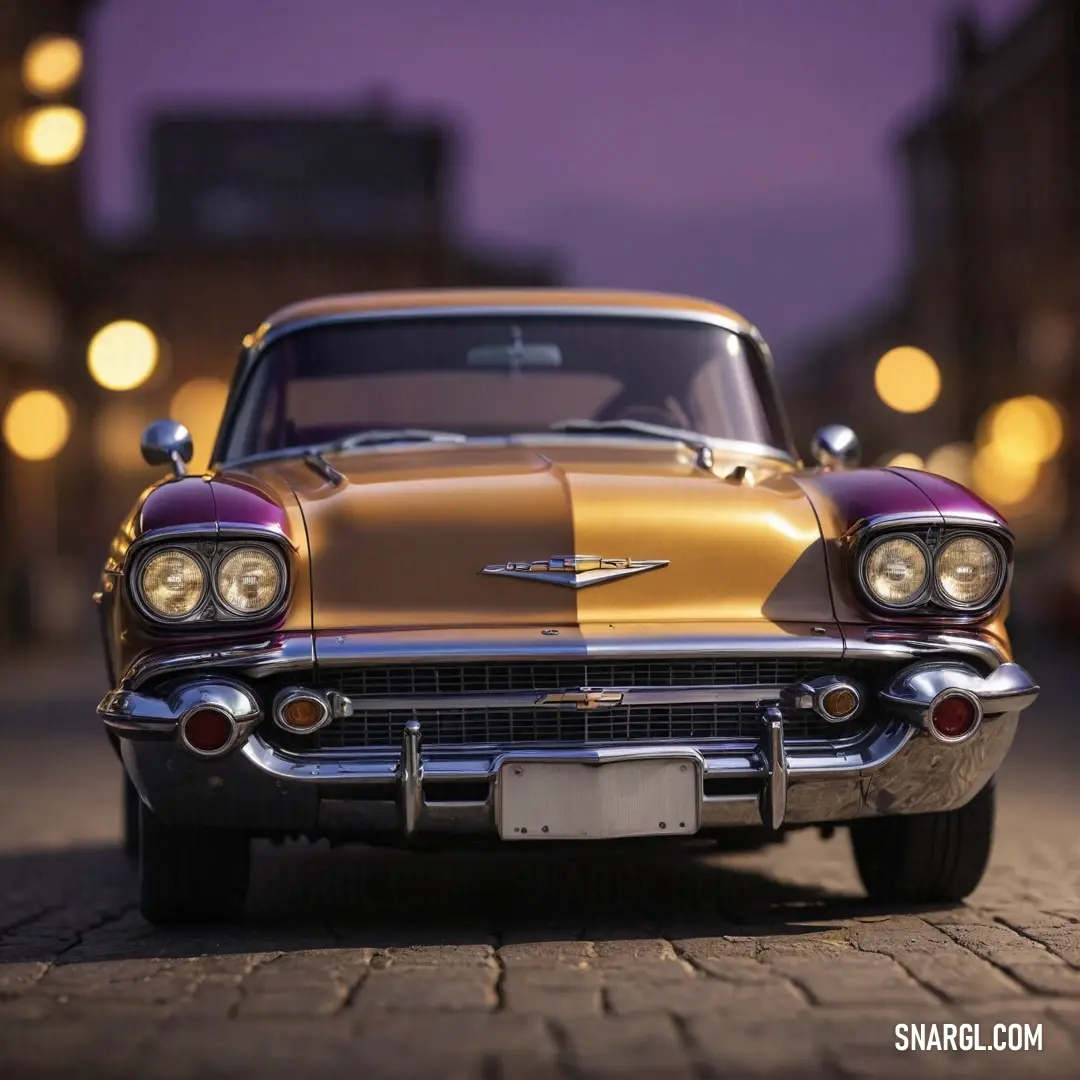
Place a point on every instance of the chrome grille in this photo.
(700, 722)
(405, 680)
(643, 723)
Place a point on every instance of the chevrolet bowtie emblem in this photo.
(576, 571)
(584, 698)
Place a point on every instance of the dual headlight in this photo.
(965, 572)
(244, 581)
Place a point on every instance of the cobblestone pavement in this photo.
(540, 963)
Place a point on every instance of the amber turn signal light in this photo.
(302, 713)
(840, 703)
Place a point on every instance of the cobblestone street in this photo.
(631, 963)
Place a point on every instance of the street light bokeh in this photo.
(122, 355)
(1026, 429)
(36, 425)
(1000, 478)
(52, 64)
(907, 379)
(50, 135)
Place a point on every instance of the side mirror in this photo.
(836, 447)
(165, 442)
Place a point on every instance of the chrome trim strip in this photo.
(302, 650)
(450, 646)
(256, 659)
(217, 530)
(922, 518)
(713, 318)
(903, 644)
(531, 699)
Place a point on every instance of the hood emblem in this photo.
(575, 571)
(585, 698)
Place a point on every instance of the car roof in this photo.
(433, 301)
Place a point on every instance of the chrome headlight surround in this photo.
(994, 595)
(145, 608)
(229, 549)
(209, 550)
(932, 535)
(872, 544)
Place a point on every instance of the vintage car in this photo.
(540, 566)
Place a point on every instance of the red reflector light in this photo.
(208, 730)
(954, 716)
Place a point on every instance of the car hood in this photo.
(402, 541)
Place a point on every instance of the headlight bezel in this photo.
(991, 598)
(871, 546)
(932, 601)
(147, 608)
(232, 549)
(210, 551)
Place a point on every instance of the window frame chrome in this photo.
(749, 334)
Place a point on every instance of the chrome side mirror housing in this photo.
(836, 447)
(166, 442)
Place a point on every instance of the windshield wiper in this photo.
(693, 439)
(312, 453)
(375, 436)
(631, 427)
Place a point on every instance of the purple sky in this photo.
(730, 148)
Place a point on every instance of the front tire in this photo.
(926, 858)
(189, 875)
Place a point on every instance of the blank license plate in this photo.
(571, 801)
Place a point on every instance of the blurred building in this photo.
(991, 283)
(43, 269)
(252, 211)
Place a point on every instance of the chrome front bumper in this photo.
(898, 767)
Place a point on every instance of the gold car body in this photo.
(435, 553)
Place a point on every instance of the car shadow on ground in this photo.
(81, 902)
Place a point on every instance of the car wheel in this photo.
(132, 802)
(923, 858)
(189, 875)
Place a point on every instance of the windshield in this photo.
(500, 375)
